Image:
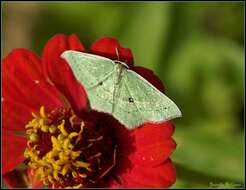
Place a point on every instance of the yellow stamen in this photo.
(62, 128)
(81, 130)
(55, 174)
(65, 169)
(60, 137)
(71, 119)
(33, 137)
(50, 178)
(34, 115)
(82, 127)
(77, 186)
(44, 128)
(73, 134)
(62, 159)
(83, 175)
(74, 174)
(52, 129)
(54, 142)
(81, 164)
(42, 112)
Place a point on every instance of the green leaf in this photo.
(204, 153)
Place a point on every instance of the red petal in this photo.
(74, 43)
(13, 151)
(150, 76)
(59, 72)
(24, 89)
(15, 115)
(161, 176)
(110, 47)
(153, 144)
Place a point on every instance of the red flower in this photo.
(65, 144)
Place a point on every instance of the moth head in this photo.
(121, 63)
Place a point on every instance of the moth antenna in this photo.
(117, 53)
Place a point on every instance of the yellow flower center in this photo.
(58, 152)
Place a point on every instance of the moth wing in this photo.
(89, 69)
(138, 102)
(126, 112)
(102, 96)
(97, 74)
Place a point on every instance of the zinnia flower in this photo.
(51, 137)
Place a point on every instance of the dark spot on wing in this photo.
(100, 83)
(166, 108)
(130, 100)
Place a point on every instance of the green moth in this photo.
(113, 88)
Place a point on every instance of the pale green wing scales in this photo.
(124, 109)
(97, 74)
(102, 96)
(89, 69)
(138, 102)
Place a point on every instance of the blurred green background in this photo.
(196, 48)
